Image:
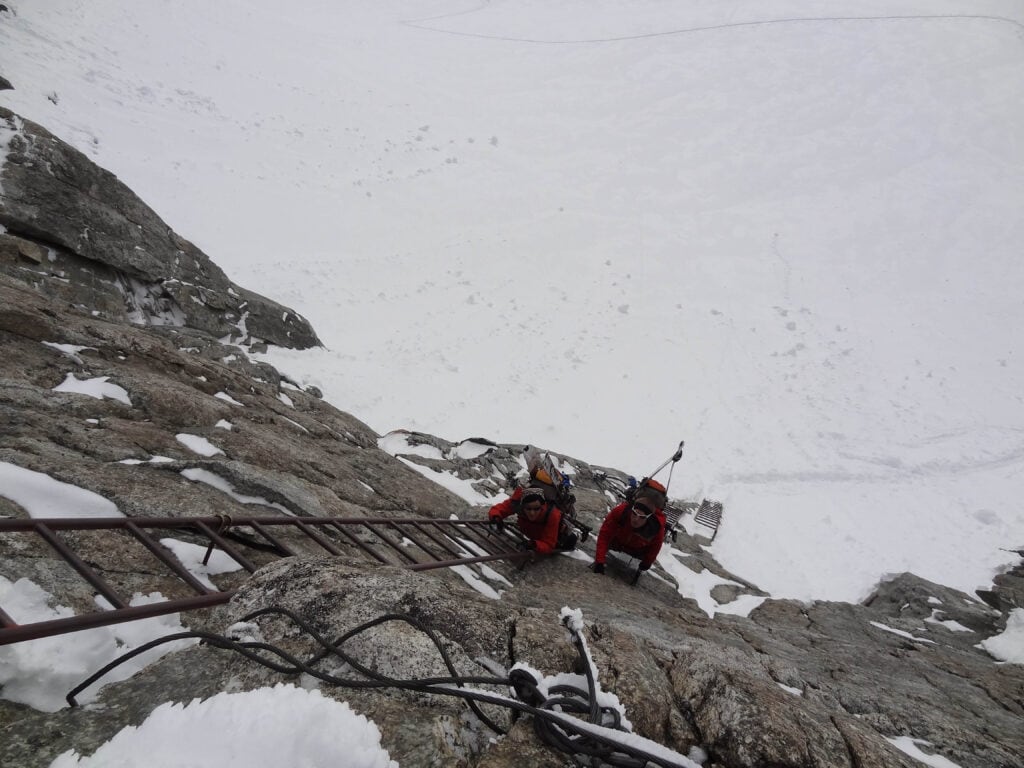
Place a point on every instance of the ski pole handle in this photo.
(673, 458)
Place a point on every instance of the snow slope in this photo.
(787, 232)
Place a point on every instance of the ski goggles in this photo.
(642, 510)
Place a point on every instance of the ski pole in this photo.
(673, 458)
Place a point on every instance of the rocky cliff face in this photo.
(111, 253)
(93, 285)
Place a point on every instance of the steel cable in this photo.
(554, 721)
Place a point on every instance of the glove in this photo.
(496, 524)
(526, 544)
(597, 567)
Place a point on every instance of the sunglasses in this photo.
(642, 510)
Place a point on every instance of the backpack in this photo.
(649, 489)
(556, 486)
(544, 474)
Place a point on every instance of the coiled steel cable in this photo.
(554, 720)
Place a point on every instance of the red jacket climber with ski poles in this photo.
(637, 529)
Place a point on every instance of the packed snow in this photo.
(41, 495)
(784, 232)
(1008, 646)
(192, 557)
(97, 387)
(457, 485)
(263, 734)
(900, 632)
(212, 479)
(228, 399)
(198, 444)
(912, 747)
(601, 230)
(41, 672)
(70, 350)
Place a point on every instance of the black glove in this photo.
(526, 544)
(496, 524)
(597, 567)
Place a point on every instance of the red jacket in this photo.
(617, 533)
(543, 532)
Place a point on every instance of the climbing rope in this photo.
(599, 739)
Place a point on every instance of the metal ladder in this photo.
(418, 544)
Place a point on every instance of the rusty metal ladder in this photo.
(418, 544)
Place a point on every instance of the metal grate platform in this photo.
(709, 514)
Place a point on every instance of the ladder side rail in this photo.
(96, 523)
(101, 523)
(52, 627)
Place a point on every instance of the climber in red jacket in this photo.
(538, 519)
(636, 527)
